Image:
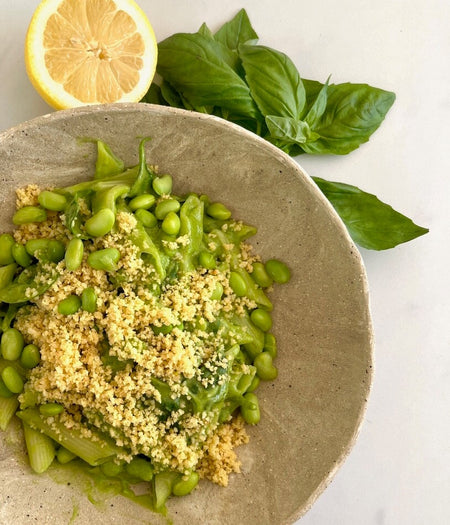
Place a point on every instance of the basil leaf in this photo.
(319, 105)
(274, 81)
(371, 223)
(170, 95)
(289, 130)
(353, 113)
(205, 31)
(154, 96)
(194, 65)
(237, 31)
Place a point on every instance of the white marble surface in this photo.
(399, 471)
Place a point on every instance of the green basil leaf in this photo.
(237, 31)
(170, 95)
(205, 31)
(195, 66)
(274, 81)
(154, 96)
(289, 130)
(353, 113)
(319, 106)
(371, 223)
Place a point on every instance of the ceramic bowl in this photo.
(312, 413)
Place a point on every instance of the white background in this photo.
(399, 471)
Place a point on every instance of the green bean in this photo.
(12, 344)
(89, 300)
(52, 201)
(146, 218)
(260, 276)
(237, 284)
(30, 356)
(166, 206)
(111, 468)
(20, 255)
(100, 223)
(143, 201)
(207, 260)
(12, 380)
(217, 293)
(218, 211)
(185, 485)
(265, 367)
(29, 214)
(278, 271)
(74, 254)
(5, 392)
(105, 259)
(250, 409)
(51, 409)
(270, 345)
(171, 223)
(140, 468)
(261, 319)
(6, 244)
(70, 305)
(162, 185)
(64, 456)
(7, 274)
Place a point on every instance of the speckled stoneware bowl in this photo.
(312, 413)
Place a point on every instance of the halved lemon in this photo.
(80, 52)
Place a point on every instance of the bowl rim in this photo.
(302, 174)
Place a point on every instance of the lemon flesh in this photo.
(90, 52)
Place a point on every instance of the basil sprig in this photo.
(229, 75)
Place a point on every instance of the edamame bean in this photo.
(106, 259)
(166, 206)
(100, 223)
(64, 456)
(140, 468)
(12, 344)
(264, 367)
(36, 246)
(52, 201)
(89, 300)
(7, 274)
(217, 293)
(21, 255)
(74, 254)
(51, 409)
(162, 185)
(146, 217)
(111, 468)
(217, 210)
(261, 319)
(171, 223)
(238, 284)
(250, 409)
(55, 251)
(270, 345)
(12, 380)
(254, 384)
(260, 276)
(70, 305)
(207, 260)
(278, 271)
(29, 214)
(4, 391)
(30, 356)
(143, 201)
(185, 485)
(6, 244)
